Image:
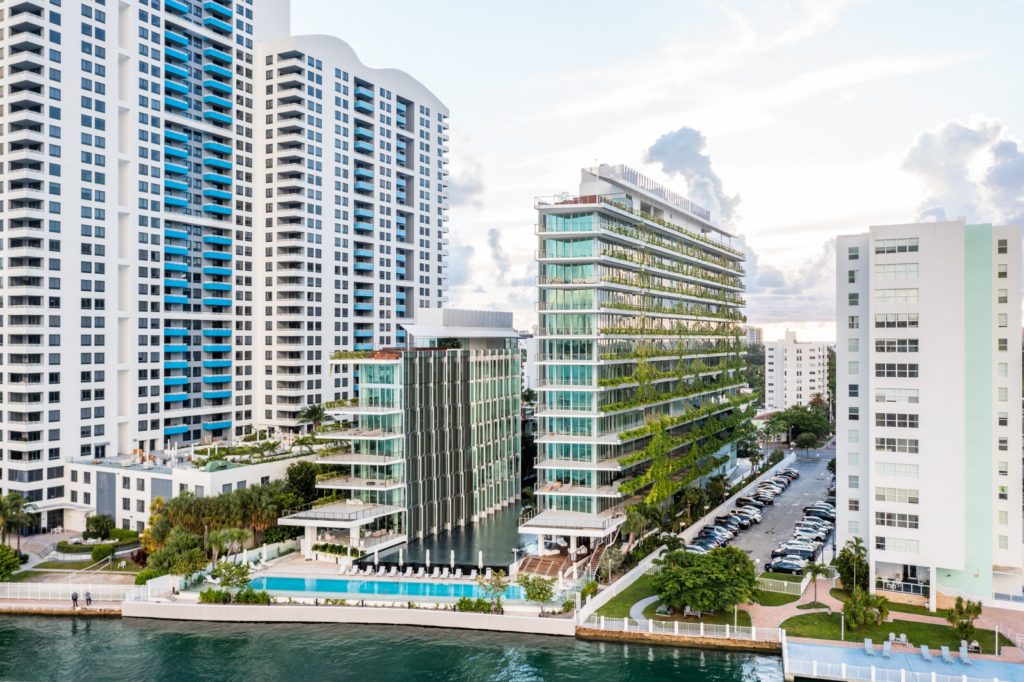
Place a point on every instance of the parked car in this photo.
(749, 502)
(696, 549)
(750, 512)
(791, 472)
(773, 487)
(809, 533)
(765, 499)
(803, 552)
(815, 521)
(803, 527)
(821, 514)
(780, 481)
(743, 521)
(728, 522)
(831, 499)
(785, 566)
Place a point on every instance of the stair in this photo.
(544, 566)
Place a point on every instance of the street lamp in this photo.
(842, 626)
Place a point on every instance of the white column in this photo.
(933, 574)
(308, 541)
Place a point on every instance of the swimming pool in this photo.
(377, 588)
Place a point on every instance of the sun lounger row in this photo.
(926, 653)
(438, 573)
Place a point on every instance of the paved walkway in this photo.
(636, 611)
(772, 616)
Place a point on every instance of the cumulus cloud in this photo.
(973, 170)
(682, 152)
(806, 293)
(467, 185)
(459, 264)
(498, 254)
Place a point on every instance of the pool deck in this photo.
(839, 661)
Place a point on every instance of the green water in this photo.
(112, 649)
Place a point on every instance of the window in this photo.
(896, 395)
(900, 445)
(1004, 369)
(1001, 245)
(896, 420)
(896, 245)
(1001, 344)
(896, 270)
(853, 390)
(853, 322)
(1003, 394)
(896, 345)
(896, 295)
(853, 299)
(126, 483)
(896, 321)
(853, 345)
(853, 436)
(853, 505)
(853, 367)
(1001, 271)
(1003, 468)
(853, 527)
(894, 520)
(1004, 493)
(140, 506)
(1004, 518)
(854, 414)
(1003, 319)
(1003, 542)
(1003, 296)
(1004, 419)
(896, 370)
(851, 276)
(904, 495)
(853, 482)
(126, 504)
(896, 469)
(853, 458)
(853, 253)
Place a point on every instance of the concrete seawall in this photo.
(287, 613)
(685, 642)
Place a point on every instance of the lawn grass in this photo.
(724, 618)
(22, 576)
(619, 605)
(827, 626)
(68, 565)
(813, 605)
(842, 596)
(788, 577)
(766, 598)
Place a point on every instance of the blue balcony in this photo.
(401, 158)
(174, 299)
(177, 202)
(175, 169)
(179, 7)
(401, 121)
(217, 332)
(400, 220)
(217, 348)
(217, 239)
(363, 107)
(175, 250)
(175, 186)
(364, 253)
(361, 186)
(178, 55)
(175, 381)
(363, 333)
(175, 136)
(217, 163)
(363, 173)
(217, 147)
(212, 270)
(364, 133)
(217, 70)
(175, 37)
(400, 333)
(175, 103)
(175, 267)
(217, 426)
(363, 227)
(174, 86)
(363, 213)
(363, 306)
(175, 430)
(400, 309)
(216, 364)
(217, 25)
(215, 101)
(176, 283)
(217, 117)
(363, 92)
(363, 267)
(400, 272)
(217, 8)
(400, 196)
(216, 286)
(363, 346)
(363, 293)
(216, 209)
(175, 364)
(217, 255)
(217, 379)
(175, 348)
(363, 147)
(217, 178)
(216, 395)
(217, 194)
(400, 145)
(217, 302)
(217, 55)
(401, 235)
(175, 397)
(400, 295)
(176, 71)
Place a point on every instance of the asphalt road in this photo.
(777, 520)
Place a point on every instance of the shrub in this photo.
(214, 596)
(568, 605)
(23, 558)
(67, 548)
(9, 562)
(101, 552)
(281, 533)
(478, 605)
(251, 596)
(124, 535)
(589, 590)
(140, 556)
(147, 574)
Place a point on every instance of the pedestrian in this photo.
(88, 598)
(74, 599)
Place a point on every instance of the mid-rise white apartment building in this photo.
(794, 372)
(929, 407)
(196, 209)
(753, 336)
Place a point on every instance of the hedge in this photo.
(145, 575)
(101, 552)
(66, 548)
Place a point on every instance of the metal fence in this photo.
(62, 591)
(680, 629)
(862, 673)
(783, 586)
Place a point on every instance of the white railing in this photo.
(861, 673)
(645, 566)
(676, 628)
(62, 591)
(784, 586)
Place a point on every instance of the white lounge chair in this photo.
(886, 649)
(472, 574)
(869, 648)
(925, 653)
(458, 574)
(213, 581)
(420, 573)
(487, 575)
(945, 655)
(436, 572)
(382, 572)
(393, 572)
(444, 573)
(408, 572)
(368, 572)
(963, 656)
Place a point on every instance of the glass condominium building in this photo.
(640, 352)
(193, 211)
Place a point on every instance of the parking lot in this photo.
(778, 519)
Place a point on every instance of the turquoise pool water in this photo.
(377, 588)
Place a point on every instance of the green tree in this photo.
(717, 489)
(493, 587)
(529, 396)
(301, 480)
(755, 462)
(314, 415)
(99, 526)
(962, 617)
(712, 582)
(806, 441)
(610, 562)
(852, 565)
(819, 402)
(831, 466)
(635, 523)
(537, 589)
(816, 570)
(218, 542)
(231, 575)
(10, 563)
(15, 515)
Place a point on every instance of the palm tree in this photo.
(879, 606)
(15, 514)
(218, 541)
(816, 571)
(314, 415)
(818, 401)
(237, 538)
(635, 523)
(755, 461)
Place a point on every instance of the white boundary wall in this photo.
(678, 629)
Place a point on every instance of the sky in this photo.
(793, 121)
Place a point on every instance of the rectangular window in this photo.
(1001, 271)
(896, 321)
(901, 445)
(853, 458)
(1003, 394)
(896, 370)
(1004, 444)
(1004, 518)
(853, 505)
(896, 295)
(853, 436)
(853, 322)
(853, 390)
(851, 276)
(1001, 245)
(1003, 319)
(854, 414)
(896, 395)
(896, 345)
(896, 469)
(1002, 344)
(896, 270)
(1004, 419)
(906, 245)
(853, 253)
(896, 420)
(1004, 493)
(1003, 468)
(853, 299)
(853, 527)
(853, 345)
(894, 520)
(903, 495)
(1004, 369)
(1003, 296)
(853, 482)
(897, 545)
(853, 367)
(1003, 542)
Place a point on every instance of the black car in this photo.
(743, 521)
(764, 499)
(749, 502)
(785, 566)
(821, 514)
(791, 549)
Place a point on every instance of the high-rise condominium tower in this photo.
(794, 372)
(640, 352)
(929, 420)
(195, 211)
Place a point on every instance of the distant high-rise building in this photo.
(753, 336)
(528, 345)
(929, 408)
(794, 372)
(641, 301)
